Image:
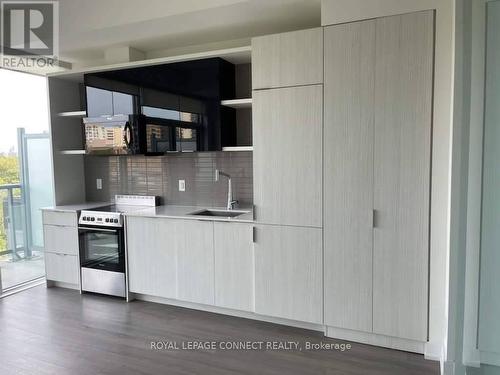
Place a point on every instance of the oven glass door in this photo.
(102, 248)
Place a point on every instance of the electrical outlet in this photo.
(182, 185)
(98, 183)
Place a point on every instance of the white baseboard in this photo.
(376, 339)
(448, 368)
(472, 357)
(226, 311)
(489, 358)
(434, 351)
(59, 284)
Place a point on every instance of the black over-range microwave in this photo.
(140, 134)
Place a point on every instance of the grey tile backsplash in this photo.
(159, 175)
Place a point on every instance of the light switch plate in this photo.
(98, 183)
(182, 185)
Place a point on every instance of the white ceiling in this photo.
(159, 27)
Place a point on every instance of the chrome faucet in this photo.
(231, 203)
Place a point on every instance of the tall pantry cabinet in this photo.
(287, 112)
(378, 79)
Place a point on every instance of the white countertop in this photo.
(183, 212)
(166, 211)
(76, 207)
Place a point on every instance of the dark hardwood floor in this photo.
(57, 331)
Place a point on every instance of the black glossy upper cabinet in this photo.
(185, 95)
(123, 104)
(99, 102)
(102, 102)
(106, 97)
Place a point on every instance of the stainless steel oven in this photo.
(102, 244)
(102, 251)
(102, 260)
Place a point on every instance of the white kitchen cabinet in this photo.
(348, 174)
(61, 239)
(61, 246)
(288, 272)
(402, 154)
(194, 240)
(62, 268)
(152, 265)
(234, 265)
(287, 155)
(288, 59)
(377, 134)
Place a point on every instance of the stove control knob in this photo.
(107, 220)
(84, 218)
(116, 221)
(92, 219)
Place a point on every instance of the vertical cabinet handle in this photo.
(374, 218)
(254, 209)
(254, 234)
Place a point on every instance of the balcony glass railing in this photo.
(19, 262)
(10, 218)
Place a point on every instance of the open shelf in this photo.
(238, 148)
(73, 114)
(72, 152)
(237, 103)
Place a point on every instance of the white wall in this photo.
(459, 187)
(480, 346)
(478, 30)
(489, 306)
(340, 11)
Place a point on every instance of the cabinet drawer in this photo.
(59, 239)
(62, 267)
(59, 218)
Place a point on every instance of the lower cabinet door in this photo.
(195, 261)
(234, 266)
(288, 272)
(62, 267)
(152, 268)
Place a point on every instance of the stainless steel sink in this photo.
(218, 213)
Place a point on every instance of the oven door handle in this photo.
(99, 229)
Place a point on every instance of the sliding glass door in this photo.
(26, 186)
